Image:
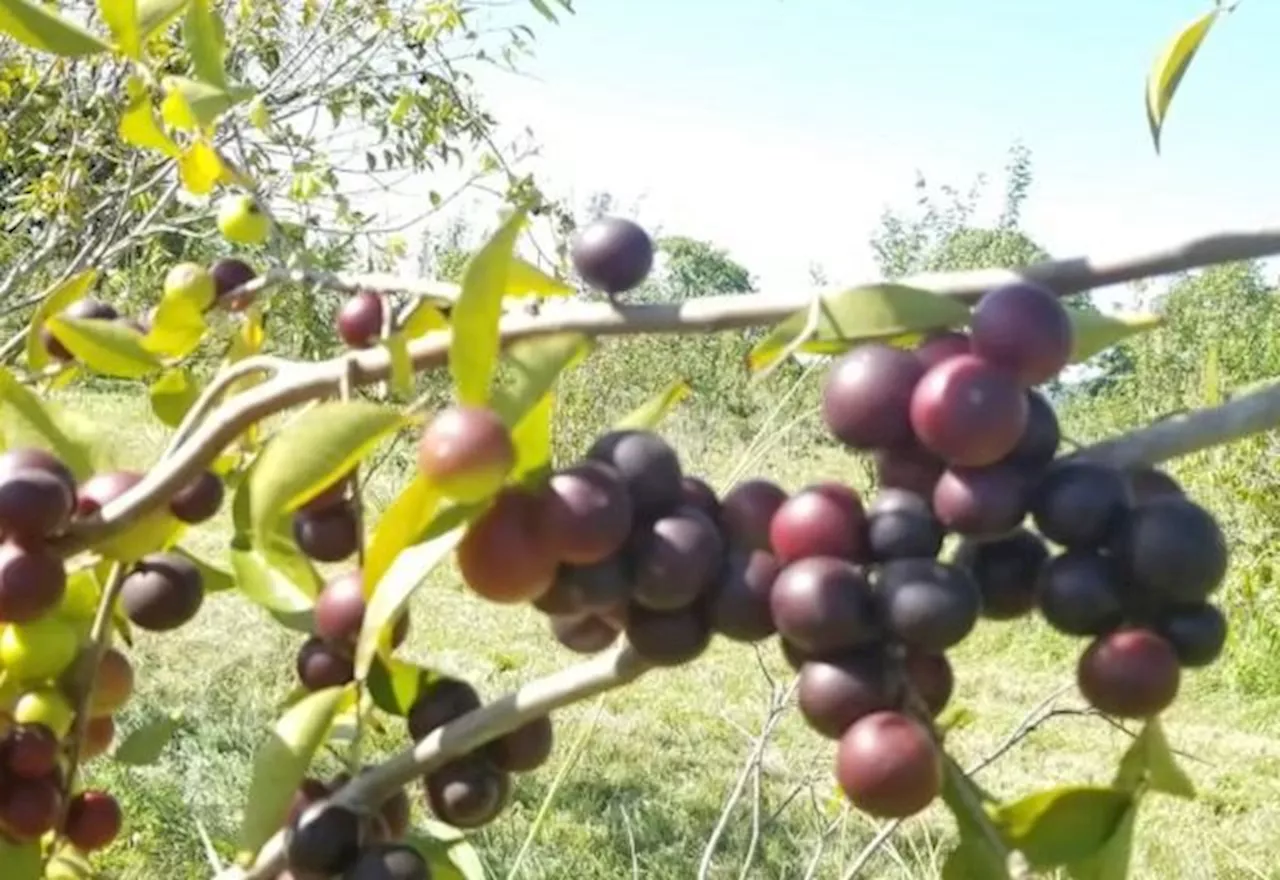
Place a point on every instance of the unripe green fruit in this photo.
(38, 650)
(45, 706)
(191, 283)
(241, 221)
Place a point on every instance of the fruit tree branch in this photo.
(604, 672)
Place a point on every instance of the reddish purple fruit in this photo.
(866, 399)
(447, 700)
(698, 493)
(34, 505)
(1080, 593)
(649, 467)
(1079, 504)
(932, 679)
(747, 510)
(612, 254)
(468, 792)
(30, 751)
(1005, 571)
(93, 820)
(1040, 440)
(30, 458)
(981, 502)
(668, 638)
(524, 749)
(359, 320)
(340, 607)
(163, 592)
(1023, 329)
(101, 489)
(583, 634)
(329, 535)
(199, 500)
(229, 274)
(941, 346)
(825, 519)
(321, 665)
(926, 604)
(911, 468)
(502, 557)
(32, 582)
(676, 559)
(739, 606)
(29, 807)
(823, 604)
(1129, 673)
(888, 766)
(833, 694)
(586, 513)
(968, 412)
(1172, 551)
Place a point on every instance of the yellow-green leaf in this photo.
(1166, 74)
(1149, 760)
(533, 365)
(281, 762)
(203, 38)
(395, 684)
(532, 438)
(526, 279)
(647, 416)
(177, 328)
(172, 396)
(397, 346)
(156, 14)
(312, 452)
(121, 17)
(1093, 332)
(860, 314)
(1112, 861)
(473, 351)
(214, 579)
(200, 167)
(978, 854)
(405, 518)
(265, 584)
(40, 27)
(111, 348)
(144, 745)
(447, 850)
(259, 115)
(22, 861)
(409, 571)
(25, 421)
(422, 319)
(189, 104)
(54, 301)
(1063, 825)
(139, 125)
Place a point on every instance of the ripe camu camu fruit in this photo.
(466, 452)
(612, 254)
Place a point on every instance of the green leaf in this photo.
(1112, 861)
(978, 856)
(267, 583)
(190, 104)
(176, 330)
(144, 745)
(121, 17)
(200, 168)
(1063, 825)
(1166, 75)
(544, 10)
(397, 345)
(25, 421)
(281, 762)
(391, 594)
(405, 518)
(1149, 761)
(860, 314)
(474, 348)
(647, 416)
(533, 442)
(107, 347)
(535, 364)
(423, 318)
(40, 27)
(203, 38)
(52, 302)
(156, 14)
(22, 861)
(215, 580)
(313, 452)
(395, 684)
(173, 395)
(68, 863)
(526, 279)
(139, 124)
(447, 850)
(1092, 332)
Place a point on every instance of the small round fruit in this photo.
(888, 766)
(926, 604)
(466, 452)
(32, 582)
(46, 707)
(112, 683)
(968, 412)
(901, 525)
(1172, 551)
(27, 458)
(825, 519)
(468, 792)
(1129, 673)
(329, 535)
(447, 700)
(34, 504)
(325, 839)
(147, 534)
(241, 221)
(320, 665)
(649, 467)
(612, 254)
(824, 605)
(38, 649)
(668, 638)
(163, 592)
(942, 345)
(93, 820)
(1078, 504)
(583, 634)
(29, 807)
(981, 502)
(524, 749)
(676, 560)
(1198, 634)
(30, 751)
(359, 321)
(87, 308)
(910, 468)
(931, 677)
(502, 556)
(229, 275)
(1147, 483)
(1005, 571)
(99, 733)
(586, 513)
(340, 607)
(1022, 328)
(739, 606)
(699, 494)
(834, 693)
(331, 496)
(199, 500)
(192, 284)
(1079, 593)
(1040, 439)
(866, 398)
(746, 511)
(389, 861)
(588, 589)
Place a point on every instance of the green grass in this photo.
(658, 759)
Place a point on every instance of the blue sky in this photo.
(781, 128)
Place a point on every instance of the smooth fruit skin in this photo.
(587, 513)
(192, 284)
(968, 412)
(163, 592)
(323, 840)
(31, 458)
(447, 700)
(649, 467)
(834, 693)
(199, 500)
(359, 320)
(34, 504)
(340, 607)
(901, 525)
(1024, 329)
(230, 274)
(942, 345)
(147, 534)
(241, 221)
(888, 766)
(926, 604)
(588, 589)
(825, 519)
(466, 452)
(389, 861)
(668, 638)
(866, 397)
(747, 510)
(1005, 571)
(1129, 673)
(823, 604)
(931, 677)
(583, 634)
(39, 649)
(1173, 551)
(30, 751)
(911, 468)
(981, 502)
(32, 583)
(1197, 633)
(94, 820)
(739, 606)
(676, 560)
(112, 684)
(99, 733)
(47, 707)
(329, 535)
(320, 665)
(502, 557)
(1079, 504)
(1079, 593)
(468, 792)
(29, 807)
(698, 493)
(1041, 438)
(524, 749)
(612, 254)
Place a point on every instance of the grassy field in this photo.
(640, 776)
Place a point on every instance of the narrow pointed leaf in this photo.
(447, 850)
(189, 104)
(139, 124)
(121, 17)
(172, 396)
(473, 351)
(176, 330)
(281, 762)
(200, 168)
(25, 421)
(534, 365)
(424, 318)
(54, 301)
(40, 27)
(397, 345)
(650, 413)
(203, 38)
(1063, 825)
(532, 438)
(396, 684)
(144, 745)
(156, 14)
(1166, 74)
(1149, 760)
(1112, 861)
(526, 279)
(110, 348)
(861, 314)
(1093, 333)
(265, 583)
(544, 10)
(405, 518)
